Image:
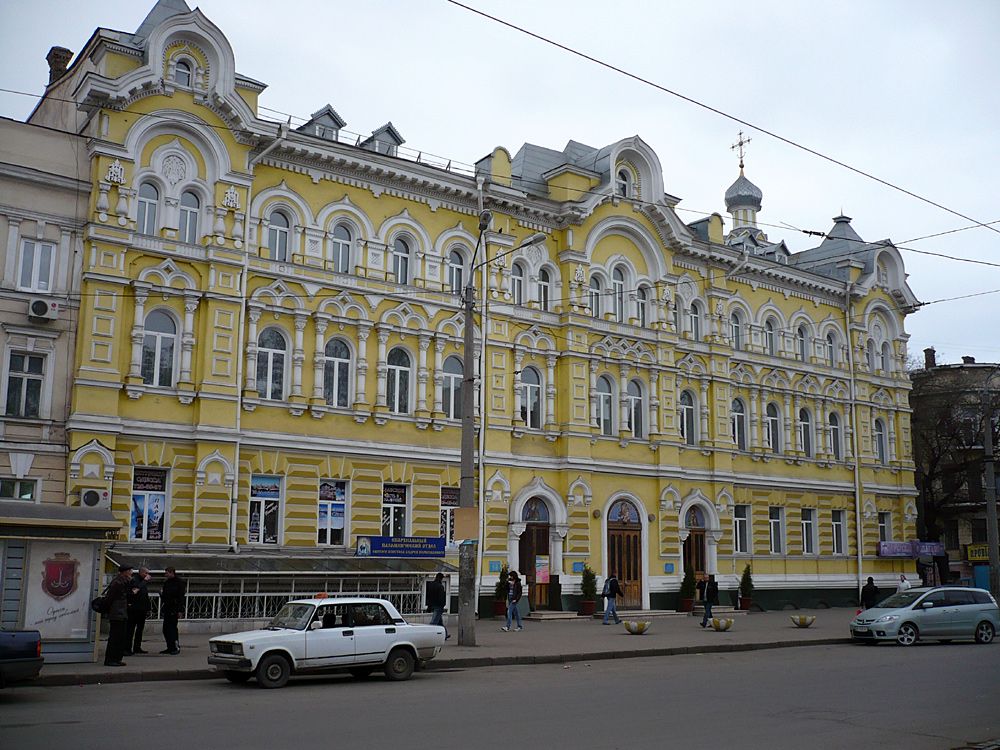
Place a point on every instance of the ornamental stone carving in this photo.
(116, 173)
(173, 169)
(231, 199)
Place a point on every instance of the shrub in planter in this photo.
(588, 586)
(746, 588)
(687, 591)
(500, 592)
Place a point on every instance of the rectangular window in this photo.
(979, 531)
(838, 532)
(449, 501)
(776, 529)
(36, 266)
(394, 509)
(17, 489)
(149, 504)
(331, 528)
(24, 384)
(884, 526)
(265, 509)
(951, 534)
(741, 523)
(808, 531)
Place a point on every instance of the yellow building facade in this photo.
(269, 356)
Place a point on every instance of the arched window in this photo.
(618, 292)
(805, 432)
(595, 296)
(336, 373)
(687, 418)
(642, 306)
(277, 236)
(401, 261)
(636, 410)
(159, 342)
(149, 199)
(544, 289)
(870, 355)
(886, 357)
(770, 345)
(878, 438)
(694, 321)
(801, 349)
(451, 388)
(271, 353)
(398, 381)
(517, 283)
(456, 266)
(772, 428)
(535, 511)
(342, 241)
(736, 331)
(605, 410)
(831, 349)
(531, 400)
(835, 437)
(190, 207)
(623, 183)
(182, 73)
(738, 417)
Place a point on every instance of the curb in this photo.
(469, 662)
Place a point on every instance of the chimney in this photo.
(968, 360)
(929, 359)
(58, 59)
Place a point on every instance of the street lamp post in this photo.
(991, 489)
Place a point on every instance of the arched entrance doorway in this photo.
(625, 551)
(694, 545)
(534, 558)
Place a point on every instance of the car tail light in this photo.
(38, 649)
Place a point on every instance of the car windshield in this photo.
(294, 616)
(902, 599)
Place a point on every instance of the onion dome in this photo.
(743, 194)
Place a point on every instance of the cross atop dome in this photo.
(739, 146)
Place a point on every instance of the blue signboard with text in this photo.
(400, 546)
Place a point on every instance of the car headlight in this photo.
(888, 618)
(213, 647)
(238, 649)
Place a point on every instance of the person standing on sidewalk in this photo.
(869, 594)
(708, 590)
(612, 590)
(514, 592)
(138, 611)
(437, 600)
(903, 584)
(172, 606)
(116, 597)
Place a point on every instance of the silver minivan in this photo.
(942, 613)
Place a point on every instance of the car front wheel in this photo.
(273, 671)
(237, 677)
(907, 634)
(399, 665)
(985, 632)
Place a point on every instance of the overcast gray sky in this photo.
(903, 89)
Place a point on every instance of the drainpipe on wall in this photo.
(855, 437)
(481, 462)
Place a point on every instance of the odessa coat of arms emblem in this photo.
(60, 574)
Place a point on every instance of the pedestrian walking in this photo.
(903, 584)
(172, 606)
(116, 596)
(708, 592)
(869, 594)
(138, 611)
(514, 592)
(612, 590)
(437, 601)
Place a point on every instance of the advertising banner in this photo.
(400, 546)
(542, 569)
(58, 582)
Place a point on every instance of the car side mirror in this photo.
(316, 625)
(927, 605)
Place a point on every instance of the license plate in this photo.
(861, 628)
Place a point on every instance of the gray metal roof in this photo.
(743, 193)
(163, 10)
(841, 243)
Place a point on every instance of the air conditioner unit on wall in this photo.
(95, 498)
(45, 309)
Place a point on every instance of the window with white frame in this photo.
(159, 342)
(341, 242)
(618, 293)
(451, 388)
(188, 227)
(398, 381)
(25, 375)
(836, 437)
(636, 409)
(801, 344)
(449, 502)
(531, 399)
(278, 230)
(36, 266)
(776, 529)
(336, 373)
(544, 289)
(805, 432)
(886, 360)
(738, 422)
(770, 344)
(808, 531)
(149, 505)
(694, 321)
(605, 411)
(831, 349)
(884, 526)
(736, 331)
(517, 283)
(394, 507)
(401, 261)
(265, 510)
(595, 296)
(22, 490)
(623, 183)
(772, 428)
(182, 73)
(878, 439)
(271, 355)
(642, 306)
(687, 418)
(148, 200)
(741, 529)
(331, 524)
(838, 529)
(870, 355)
(456, 268)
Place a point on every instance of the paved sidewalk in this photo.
(540, 642)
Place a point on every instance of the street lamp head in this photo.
(535, 239)
(485, 219)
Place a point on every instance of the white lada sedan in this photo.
(321, 635)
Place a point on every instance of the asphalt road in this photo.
(928, 696)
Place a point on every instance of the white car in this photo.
(327, 634)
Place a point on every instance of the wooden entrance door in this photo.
(625, 552)
(535, 545)
(694, 552)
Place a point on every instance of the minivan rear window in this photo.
(981, 597)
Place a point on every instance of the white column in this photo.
(251, 367)
(754, 426)
(890, 424)
(623, 371)
(594, 415)
(518, 386)
(298, 355)
(654, 403)
(438, 375)
(422, 373)
(704, 411)
(187, 339)
(788, 423)
(550, 391)
(138, 331)
(822, 437)
(319, 361)
(381, 367)
(361, 367)
(848, 431)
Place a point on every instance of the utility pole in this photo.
(991, 490)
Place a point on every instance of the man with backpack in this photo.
(612, 590)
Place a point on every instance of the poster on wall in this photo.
(542, 569)
(58, 582)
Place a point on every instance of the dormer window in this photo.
(623, 183)
(182, 74)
